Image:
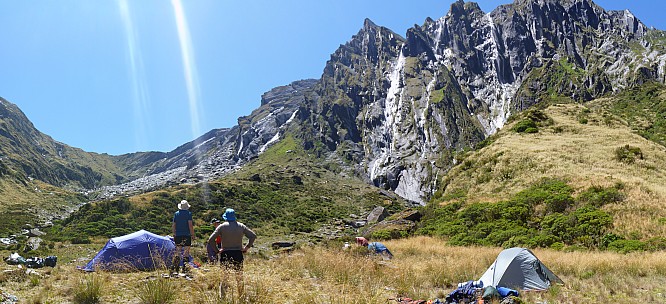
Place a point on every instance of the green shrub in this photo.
(524, 125)
(543, 240)
(610, 238)
(598, 196)
(80, 240)
(388, 234)
(516, 241)
(626, 246)
(628, 154)
(553, 193)
(539, 117)
(515, 222)
(557, 246)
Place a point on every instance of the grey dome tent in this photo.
(519, 268)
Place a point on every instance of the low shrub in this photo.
(516, 222)
(80, 240)
(598, 196)
(626, 246)
(525, 126)
(628, 154)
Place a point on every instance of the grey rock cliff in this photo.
(391, 108)
(394, 110)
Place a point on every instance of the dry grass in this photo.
(582, 155)
(423, 268)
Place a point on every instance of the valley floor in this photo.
(423, 268)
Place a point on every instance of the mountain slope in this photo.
(33, 154)
(397, 109)
(284, 193)
(218, 152)
(582, 147)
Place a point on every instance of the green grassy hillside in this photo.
(284, 191)
(568, 175)
(32, 202)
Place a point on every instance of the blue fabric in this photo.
(378, 247)
(504, 292)
(141, 250)
(464, 292)
(229, 215)
(181, 217)
(212, 253)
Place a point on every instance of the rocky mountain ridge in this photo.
(221, 151)
(395, 110)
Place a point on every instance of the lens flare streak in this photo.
(189, 66)
(140, 97)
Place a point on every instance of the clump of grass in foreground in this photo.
(88, 290)
(422, 268)
(157, 291)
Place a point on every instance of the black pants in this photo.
(232, 259)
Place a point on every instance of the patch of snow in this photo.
(275, 138)
(204, 142)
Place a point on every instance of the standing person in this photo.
(232, 232)
(183, 233)
(212, 250)
(231, 253)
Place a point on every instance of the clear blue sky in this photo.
(115, 77)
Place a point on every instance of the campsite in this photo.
(468, 154)
(423, 268)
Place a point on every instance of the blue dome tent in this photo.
(141, 250)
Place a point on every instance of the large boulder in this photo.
(390, 229)
(33, 243)
(377, 215)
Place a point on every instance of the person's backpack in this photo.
(34, 262)
(50, 261)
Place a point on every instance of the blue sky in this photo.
(124, 76)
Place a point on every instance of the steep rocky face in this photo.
(390, 114)
(492, 55)
(393, 109)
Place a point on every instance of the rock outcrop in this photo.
(393, 110)
(397, 109)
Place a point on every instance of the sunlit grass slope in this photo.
(32, 202)
(423, 268)
(579, 146)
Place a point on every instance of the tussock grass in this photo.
(583, 155)
(422, 268)
(88, 290)
(156, 291)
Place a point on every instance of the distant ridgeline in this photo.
(393, 112)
